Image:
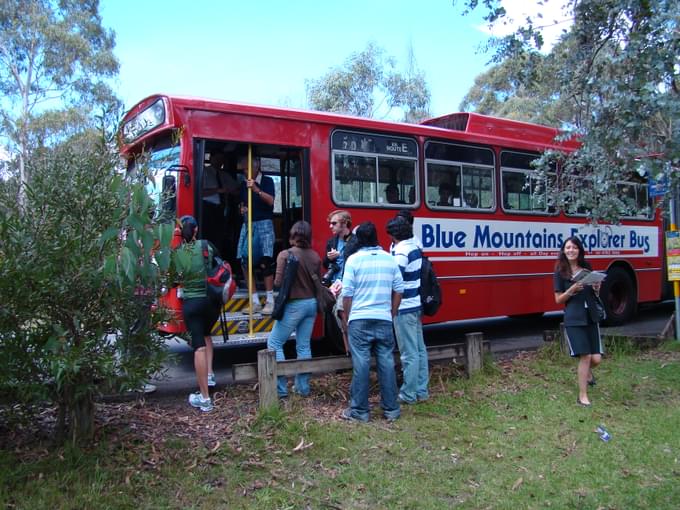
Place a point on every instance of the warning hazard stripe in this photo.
(234, 305)
(259, 325)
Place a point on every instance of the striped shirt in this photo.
(409, 258)
(371, 275)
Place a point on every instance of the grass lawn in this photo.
(511, 437)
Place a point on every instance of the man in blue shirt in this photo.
(263, 190)
(407, 324)
(371, 291)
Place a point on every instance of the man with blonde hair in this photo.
(338, 248)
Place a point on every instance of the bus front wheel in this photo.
(619, 296)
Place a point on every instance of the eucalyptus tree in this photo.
(621, 78)
(55, 58)
(368, 85)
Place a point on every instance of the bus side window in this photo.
(459, 176)
(373, 169)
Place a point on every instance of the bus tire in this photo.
(332, 334)
(619, 296)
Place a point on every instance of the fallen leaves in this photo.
(302, 445)
(517, 483)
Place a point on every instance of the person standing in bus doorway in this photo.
(371, 290)
(264, 192)
(407, 323)
(337, 249)
(300, 308)
(199, 310)
(213, 199)
(580, 313)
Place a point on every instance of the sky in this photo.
(262, 51)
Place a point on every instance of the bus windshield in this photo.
(156, 167)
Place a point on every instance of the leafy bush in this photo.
(77, 278)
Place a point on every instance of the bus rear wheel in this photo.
(619, 296)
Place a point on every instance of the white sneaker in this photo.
(256, 307)
(148, 388)
(268, 308)
(211, 380)
(197, 400)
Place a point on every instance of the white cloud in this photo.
(552, 17)
(4, 154)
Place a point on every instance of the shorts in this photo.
(200, 314)
(263, 241)
(584, 340)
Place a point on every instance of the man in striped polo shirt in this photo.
(371, 290)
(407, 324)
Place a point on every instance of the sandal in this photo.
(583, 404)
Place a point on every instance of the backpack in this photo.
(430, 292)
(219, 282)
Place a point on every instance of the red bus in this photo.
(466, 178)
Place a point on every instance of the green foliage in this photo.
(618, 72)
(77, 279)
(367, 78)
(524, 88)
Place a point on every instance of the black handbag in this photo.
(289, 274)
(325, 299)
(601, 310)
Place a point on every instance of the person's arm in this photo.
(397, 289)
(263, 190)
(329, 246)
(281, 261)
(347, 307)
(396, 301)
(563, 297)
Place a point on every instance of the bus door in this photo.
(219, 166)
(294, 182)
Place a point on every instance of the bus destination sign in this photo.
(374, 144)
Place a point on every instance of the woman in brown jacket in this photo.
(300, 309)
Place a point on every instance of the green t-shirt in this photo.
(191, 266)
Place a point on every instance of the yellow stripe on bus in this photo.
(259, 325)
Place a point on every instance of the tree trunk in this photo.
(81, 420)
(75, 419)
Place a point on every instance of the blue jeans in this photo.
(298, 316)
(366, 337)
(414, 364)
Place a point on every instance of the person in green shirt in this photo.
(199, 310)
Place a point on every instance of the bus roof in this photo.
(483, 128)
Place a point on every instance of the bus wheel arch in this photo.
(619, 294)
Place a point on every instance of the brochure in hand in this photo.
(590, 277)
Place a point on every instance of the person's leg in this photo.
(583, 374)
(209, 355)
(360, 346)
(278, 337)
(422, 391)
(266, 240)
(387, 377)
(303, 334)
(596, 349)
(195, 317)
(408, 351)
(201, 368)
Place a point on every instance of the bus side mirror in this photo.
(169, 195)
(183, 170)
